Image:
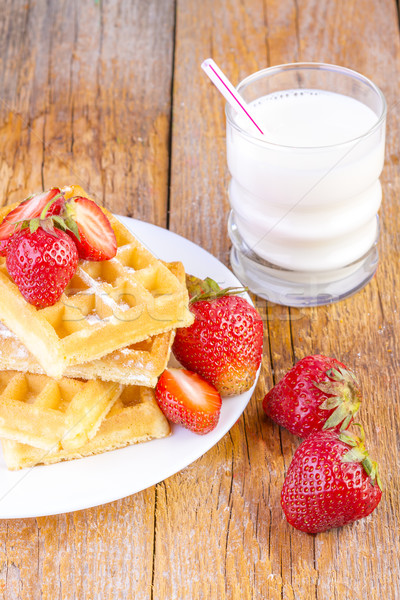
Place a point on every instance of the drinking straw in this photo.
(227, 90)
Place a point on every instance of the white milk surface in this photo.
(305, 195)
(310, 118)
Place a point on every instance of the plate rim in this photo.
(109, 495)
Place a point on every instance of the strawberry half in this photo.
(28, 209)
(187, 399)
(96, 239)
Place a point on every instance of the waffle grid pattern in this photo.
(106, 306)
(137, 364)
(133, 418)
(50, 414)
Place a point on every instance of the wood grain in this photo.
(88, 101)
(292, 565)
(75, 107)
(110, 94)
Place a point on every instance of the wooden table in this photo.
(110, 95)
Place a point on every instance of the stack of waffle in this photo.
(77, 378)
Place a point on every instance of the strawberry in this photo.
(41, 260)
(224, 344)
(318, 392)
(187, 399)
(331, 481)
(96, 238)
(28, 209)
(56, 207)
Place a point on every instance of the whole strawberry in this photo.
(224, 344)
(318, 392)
(331, 481)
(41, 260)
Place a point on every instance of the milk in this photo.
(305, 195)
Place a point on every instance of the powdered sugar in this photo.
(93, 318)
(123, 305)
(21, 352)
(6, 333)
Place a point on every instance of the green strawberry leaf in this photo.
(354, 455)
(72, 226)
(335, 374)
(330, 403)
(368, 465)
(348, 438)
(59, 222)
(337, 416)
(341, 374)
(346, 422)
(208, 289)
(34, 225)
(359, 453)
(20, 225)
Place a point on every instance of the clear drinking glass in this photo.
(305, 196)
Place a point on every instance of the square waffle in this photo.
(50, 414)
(137, 364)
(106, 306)
(134, 417)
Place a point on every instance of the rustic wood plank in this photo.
(257, 549)
(86, 99)
(102, 552)
(352, 330)
(76, 102)
(266, 557)
(199, 207)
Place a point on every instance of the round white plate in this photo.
(78, 484)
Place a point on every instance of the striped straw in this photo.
(227, 90)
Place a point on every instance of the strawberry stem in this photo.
(208, 289)
(359, 453)
(344, 397)
(70, 218)
(50, 202)
(34, 223)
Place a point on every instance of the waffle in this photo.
(134, 417)
(50, 414)
(106, 306)
(138, 364)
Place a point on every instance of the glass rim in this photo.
(317, 66)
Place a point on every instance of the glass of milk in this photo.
(305, 195)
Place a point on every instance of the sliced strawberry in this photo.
(3, 247)
(28, 209)
(96, 236)
(56, 208)
(187, 399)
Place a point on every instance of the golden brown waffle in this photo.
(134, 417)
(106, 306)
(50, 414)
(138, 364)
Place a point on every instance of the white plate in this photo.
(78, 484)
